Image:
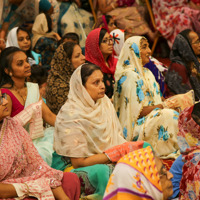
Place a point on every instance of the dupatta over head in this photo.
(135, 177)
(93, 53)
(83, 127)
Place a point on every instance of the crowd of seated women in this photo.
(91, 114)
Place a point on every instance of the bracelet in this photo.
(112, 5)
(1, 39)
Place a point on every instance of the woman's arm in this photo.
(92, 160)
(47, 115)
(147, 109)
(59, 193)
(104, 8)
(7, 191)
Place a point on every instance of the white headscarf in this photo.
(119, 39)
(83, 127)
(12, 38)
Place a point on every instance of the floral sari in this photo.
(136, 88)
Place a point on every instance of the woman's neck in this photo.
(106, 59)
(19, 83)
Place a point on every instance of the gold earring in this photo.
(10, 74)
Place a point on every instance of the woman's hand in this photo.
(147, 109)
(104, 8)
(57, 36)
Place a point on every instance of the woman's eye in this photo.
(20, 63)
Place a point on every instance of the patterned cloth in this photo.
(25, 12)
(189, 143)
(172, 17)
(136, 88)
(43, 42)
(96, 57)
(156, 67)
(179, 78)
(21, 163)
(74, 19)
(58, 80)
(135, 177)
(77, 132)
(127, 18)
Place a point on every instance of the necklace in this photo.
(23, 96)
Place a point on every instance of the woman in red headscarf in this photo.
(99, 51)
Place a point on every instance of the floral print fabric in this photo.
(136, 88)
(172, 17)
(189, 143)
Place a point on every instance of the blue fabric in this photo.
(176, 170)
(13, 8)
(37, 57)
(44, 5)
(152, 67)
(63, 9)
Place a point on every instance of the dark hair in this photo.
(6, 59)
(49, 22)
(86, 70)
(102, 34)
(69, 48)
(196, 113)
(108, 18)
(185, 33)
(38, 74)
(28, 53)
(71, 35)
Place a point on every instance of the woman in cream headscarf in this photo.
(138, 101)
(44, 40)
(88, 130)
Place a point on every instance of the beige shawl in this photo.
(83, 127)
(40, 28)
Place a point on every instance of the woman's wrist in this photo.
(2, 39)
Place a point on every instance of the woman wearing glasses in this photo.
(99, 51)
(183, 74)
(23, 173)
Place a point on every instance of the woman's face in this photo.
(24, 40)
(106, 45)
(3, 106)
(111, 25)
(77, 57)
(95, 85)
(195, 42)
(165, 179)
(145, 51)
(20, 66)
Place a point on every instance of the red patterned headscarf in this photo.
(93, 53)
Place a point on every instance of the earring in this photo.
(10, 74)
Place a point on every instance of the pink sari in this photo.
(22, 166)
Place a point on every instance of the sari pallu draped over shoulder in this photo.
(22, 166)
(136, 88)
(83, 127)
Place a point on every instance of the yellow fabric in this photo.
(68, 169)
